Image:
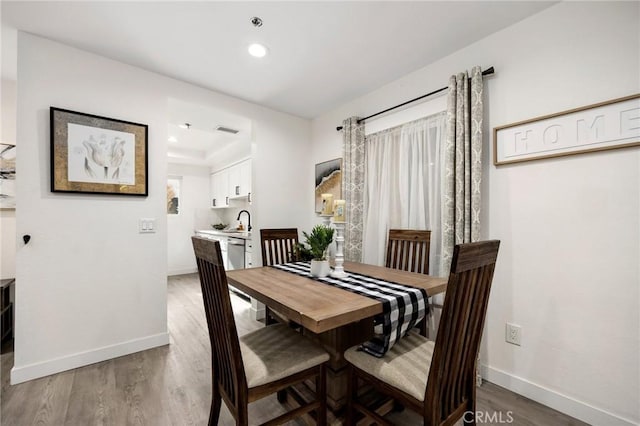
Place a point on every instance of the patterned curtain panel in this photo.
(462, 163)
(353, 187)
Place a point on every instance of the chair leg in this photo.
(268, 318)
(214, 414)
(397, 406)
(352, 393)
(423, 326)
(243, 416)
(469, 417)
(321, 395)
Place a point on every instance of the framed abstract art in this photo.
(98, 155)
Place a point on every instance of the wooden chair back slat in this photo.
(408, 250)
(227, 367)
(451, 384)
(278, 245)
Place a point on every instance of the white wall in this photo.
(567, 270)
(193, 213)
(7, 243)
(89, 286)
(8, 216)
(8, 109)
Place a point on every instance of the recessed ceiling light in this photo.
(173, 139)
(257, 50)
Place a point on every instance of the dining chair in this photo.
(278, 246)
(436, 379)
(247, 368)
(408, 250)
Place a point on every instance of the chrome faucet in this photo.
(249, 218)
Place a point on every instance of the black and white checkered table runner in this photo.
(403, 306)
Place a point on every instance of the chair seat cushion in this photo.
(274, 352)
(405, 366)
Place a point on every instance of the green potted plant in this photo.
(301, 253)
(318, 241)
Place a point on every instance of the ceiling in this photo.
(321, 54)
(199, 142)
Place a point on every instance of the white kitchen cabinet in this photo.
(233, 189)
(245, 178)
(229, 183)
(218, 187)
(240, 180)
(215, 195)
(248, 254)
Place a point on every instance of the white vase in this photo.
(320, 268)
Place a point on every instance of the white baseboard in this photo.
(24, 373)
(563, 403)
(182, 271)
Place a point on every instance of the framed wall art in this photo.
(173, 194)
(98, 155)
(7, 176)
(607, 125)
(328, 181)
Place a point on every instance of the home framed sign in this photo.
(603, 126)
(98, 155)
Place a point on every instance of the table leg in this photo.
(336, 342)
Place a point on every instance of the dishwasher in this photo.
(235, 253)
(235, 259)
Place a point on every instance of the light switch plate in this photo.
(146, 226)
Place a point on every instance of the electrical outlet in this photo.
(513, 334)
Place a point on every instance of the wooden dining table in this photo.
(336, 318)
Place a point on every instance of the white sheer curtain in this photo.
(402, 186)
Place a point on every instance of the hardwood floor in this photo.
(170, 385)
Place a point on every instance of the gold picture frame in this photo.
(97, 155)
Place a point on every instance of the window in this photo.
(402, 186)
(173, 195)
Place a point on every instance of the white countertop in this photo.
(235, 234)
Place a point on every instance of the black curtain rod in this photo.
(488, 71)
